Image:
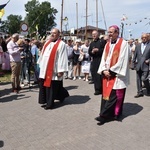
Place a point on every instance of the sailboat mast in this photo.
(77, 17)
(97, 14)
(61, 21)
(86, 19)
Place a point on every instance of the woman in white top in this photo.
(76, 63)
(86, 60)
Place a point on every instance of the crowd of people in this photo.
(104, 61)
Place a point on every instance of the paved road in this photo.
(24, 125)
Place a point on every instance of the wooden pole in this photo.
(97, 14)
(86, 19)
(61, 21)
(77, 17)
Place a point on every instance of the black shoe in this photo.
(138, 95)
(116, 117)
(97, 93)
(98, 118)
(91, 82)
(100, 123)
(47, 107)
(43, 106)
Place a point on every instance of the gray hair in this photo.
(15, 35)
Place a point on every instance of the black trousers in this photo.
(97, 78)
(56, 91)
(142, 76)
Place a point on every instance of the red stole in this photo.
(109, 83)
(45, 45)
(50, 66)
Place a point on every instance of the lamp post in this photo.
(124, 17)
(122, 29)
(65, 20)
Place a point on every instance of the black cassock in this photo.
(56, 91)
(100, 44)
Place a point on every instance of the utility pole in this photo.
(97, 14)
(86, 19)
(77, 17)
(61, 21)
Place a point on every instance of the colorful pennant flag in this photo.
(124, 17)
(3, 5)
(65, 19)
(37, 27)
(2, 12)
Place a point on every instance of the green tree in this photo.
(12, 24)
(40, 15)
(3, 27)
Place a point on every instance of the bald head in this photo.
(144, 37)
(95, 34)
(55, 33)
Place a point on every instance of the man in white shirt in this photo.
(15, 62)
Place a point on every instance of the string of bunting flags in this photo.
(125, 18)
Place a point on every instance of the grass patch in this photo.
(6, 76)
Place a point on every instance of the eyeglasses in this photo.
(110, 32)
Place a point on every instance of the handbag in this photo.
(81, 56)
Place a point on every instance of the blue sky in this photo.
(137, 12)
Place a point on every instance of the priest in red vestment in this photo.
(114, 68)
(53, 62)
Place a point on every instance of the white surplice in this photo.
(121, 68)
(60, 63)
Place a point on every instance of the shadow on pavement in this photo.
(13, 97)
(1, 143)
(71, 87)
(5, 92)
(73, 100)
(130, 109)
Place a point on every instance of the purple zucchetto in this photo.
(116, 27)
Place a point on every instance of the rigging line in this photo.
(35, 21)
(7, 2)
(103, 15)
